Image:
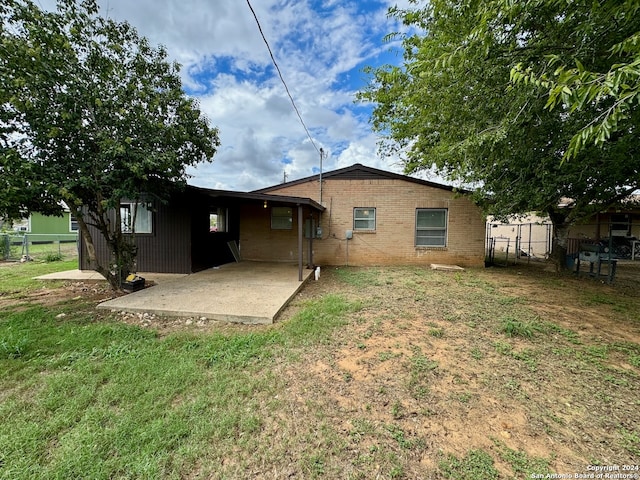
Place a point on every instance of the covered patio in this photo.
(243, 292)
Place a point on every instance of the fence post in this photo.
(6, 247)
(25, 246)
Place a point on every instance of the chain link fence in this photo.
(47, 247)
(507, 244)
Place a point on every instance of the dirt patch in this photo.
(425, 373)
(93, 292)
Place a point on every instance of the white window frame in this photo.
(144, 217)
(73, 221)
(281, 218)
(422, 232)
(359, 216)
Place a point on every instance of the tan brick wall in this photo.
(393, 241)
(258, 241)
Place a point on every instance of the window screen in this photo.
(281, 218)
(431, 227)
(364, 218)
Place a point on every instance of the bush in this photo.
(53, 257)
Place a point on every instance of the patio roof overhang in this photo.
(229, 197)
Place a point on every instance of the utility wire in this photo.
(275, 64)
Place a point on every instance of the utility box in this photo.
(133, 283)
(348, 234)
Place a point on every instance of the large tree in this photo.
(452, 104)
(91, 114)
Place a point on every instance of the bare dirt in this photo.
(430, 377)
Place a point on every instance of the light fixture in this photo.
(265, 204)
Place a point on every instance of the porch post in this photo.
(300, 236)
(310, 256)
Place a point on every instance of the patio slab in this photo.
(245, 292)
(93, 276)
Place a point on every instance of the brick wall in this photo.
(392, 242)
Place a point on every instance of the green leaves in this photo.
(499, 94)
(99, 110)
(609, 87)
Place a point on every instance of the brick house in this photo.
(366, 217)
(375, 217)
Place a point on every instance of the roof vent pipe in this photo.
(322, 155)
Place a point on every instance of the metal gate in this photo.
(508, 243)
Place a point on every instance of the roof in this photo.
(229, 195)
(360, 172)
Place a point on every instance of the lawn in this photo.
(369, 373)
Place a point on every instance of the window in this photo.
(364, 218)
(431, 227)
(142, 214)
(218, 220)
(281, 218)
(73, 223)
(620, 225)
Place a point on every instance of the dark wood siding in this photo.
(166, 250)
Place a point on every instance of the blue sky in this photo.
(321, 48)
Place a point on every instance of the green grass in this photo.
(19, 276)
(101, 400)
(87, 396)
(523, 465)
(476, 465)
(360, 277)
(513, 327)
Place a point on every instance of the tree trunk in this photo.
(91, 251)
(122, 248)
(560, 237)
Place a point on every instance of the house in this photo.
(37, 229)
(363, 216)
(198, 228)
(619, 224)
(38, 224)
(375, 217)
(532, 235)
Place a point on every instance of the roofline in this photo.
(257, 196)
(359, 166)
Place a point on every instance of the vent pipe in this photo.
(321, 158)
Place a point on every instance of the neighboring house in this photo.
(38, 224)
(620, 223)
(366, 217)
(533, 234)
(375, 217)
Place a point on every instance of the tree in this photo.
(452, 104)
(612, 83)
(91, 114)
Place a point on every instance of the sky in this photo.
(321, 47)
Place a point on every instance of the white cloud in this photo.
(320, 48)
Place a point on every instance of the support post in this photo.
(300, 237)
(311, 233)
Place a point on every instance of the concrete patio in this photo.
(245, 292)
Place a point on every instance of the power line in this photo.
(275, 64)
